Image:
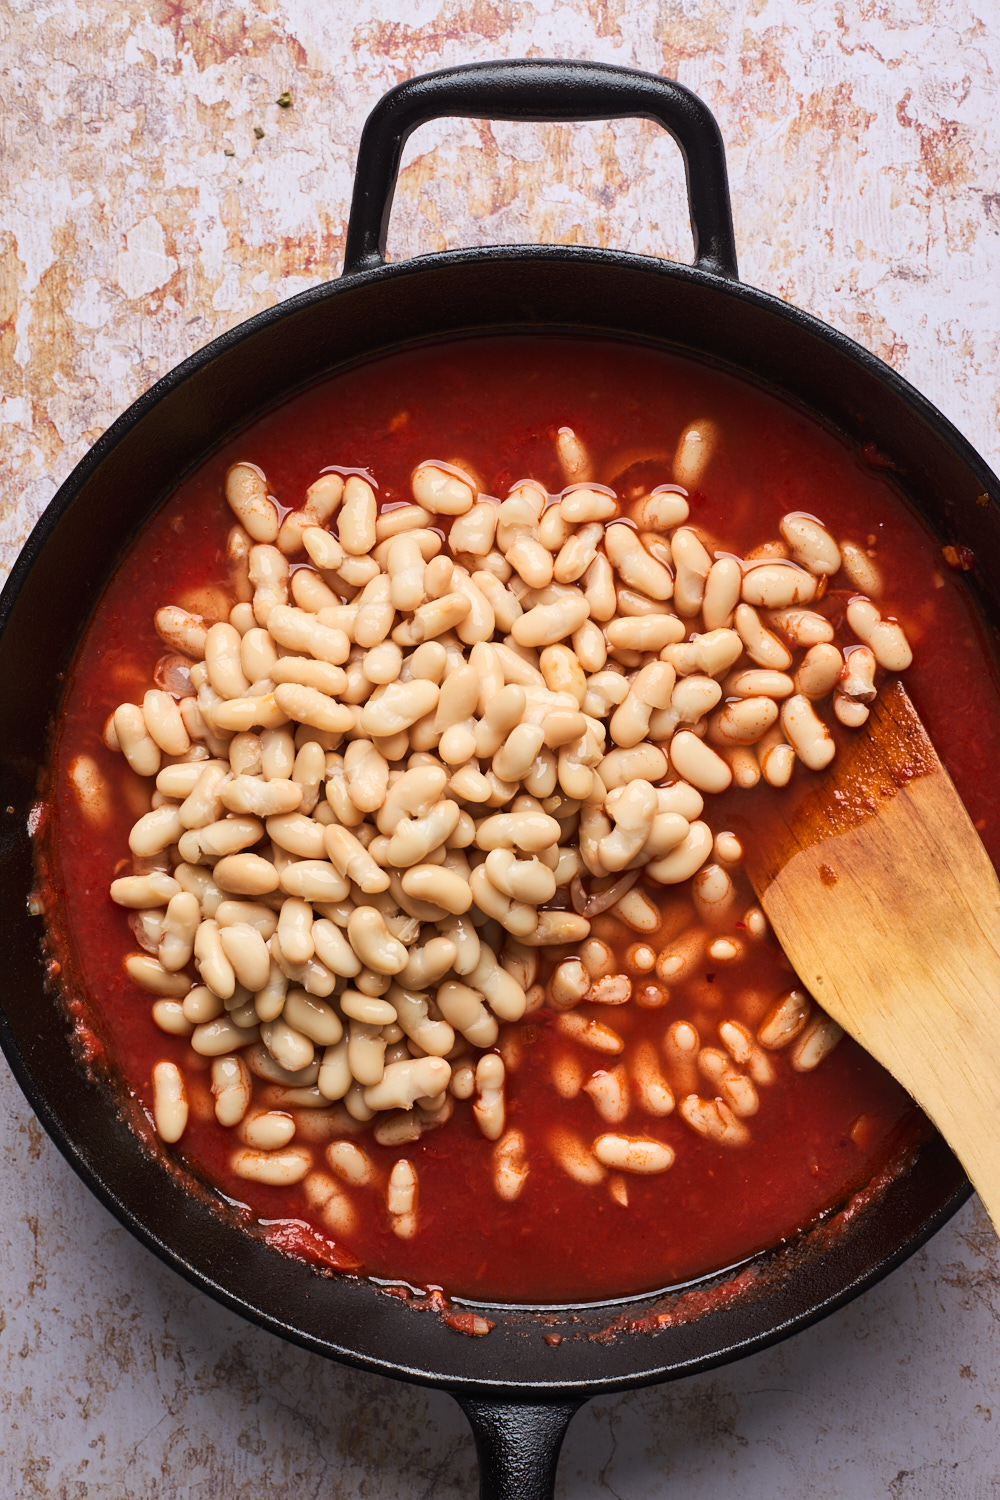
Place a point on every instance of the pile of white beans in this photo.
(405, 763)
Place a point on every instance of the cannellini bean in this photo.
(150, 973)
(356, 520)
(247, 498)
(693, 564)
(291, 1049)
(650, 689)
(785, 1020)
(488, 1108)
(295, 930)
(267, 1130)
(268, 571)
(609, 1091)
(861, 569)
(505, 995)
(644, 761)
(546, 624)
(634, 565)
(777, 585)
(247, 953)
(333, 949)
(574, 1157)
(742, 722)
(474, 530)
(223, 658)
(92, 789)
(593, 1034)
(857, 680)
(848, 711)
(722, 593)
(574, 459)
(759, 682)
(776, 758)
(629, 1153)
(442, 490)
(181, 630)
(348, 855)
(273, 1168)
(164, 723)
(761, 645)
(742, 1048)
(568, 985)
(366, 1007)
(510, 1165)
(373, 943)
(403, 1083)
(682, 862)
(695, 449)
(633, 808)
(713, 1119)
(401, 517)
(810, 543)
(179, 927)
(637, 911)
(816, 1042)
(217, 1037)
(335, 1077)
(136, 744)
(401, 1199)
(246, 875)
(819, 671)
(806, 733)
(465, 1010)
(553, 928)
(652, 1090)
(203, 804)
(698, 763)
(645, 632)
(141, 891)
(732, 1086)
(714, 895)
(170, 1104)
(351, 1164)
(885, 638)
(231, 1088)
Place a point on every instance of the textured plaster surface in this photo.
(142, 214)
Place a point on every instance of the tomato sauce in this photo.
(496, 405)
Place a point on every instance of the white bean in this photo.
(247, 498)
(170, 1105)
(806, 733)
(775, 585)
(698, 763)
(695, 449)
(810, 543)
(630, 1153)
(272, 1168)
(884, 637)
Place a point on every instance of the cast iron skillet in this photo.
(518, 1391)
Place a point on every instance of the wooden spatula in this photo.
(886, 903)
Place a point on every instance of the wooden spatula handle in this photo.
(888, 908)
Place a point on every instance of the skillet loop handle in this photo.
(542, 89)
(517, 1446)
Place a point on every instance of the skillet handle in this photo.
(542, 89)
(517, 1446)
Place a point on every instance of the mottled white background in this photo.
(864, 141)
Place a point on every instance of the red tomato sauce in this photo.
(495, 405)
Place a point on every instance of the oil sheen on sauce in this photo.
(496, 404)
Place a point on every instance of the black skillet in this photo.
(518, 1391)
